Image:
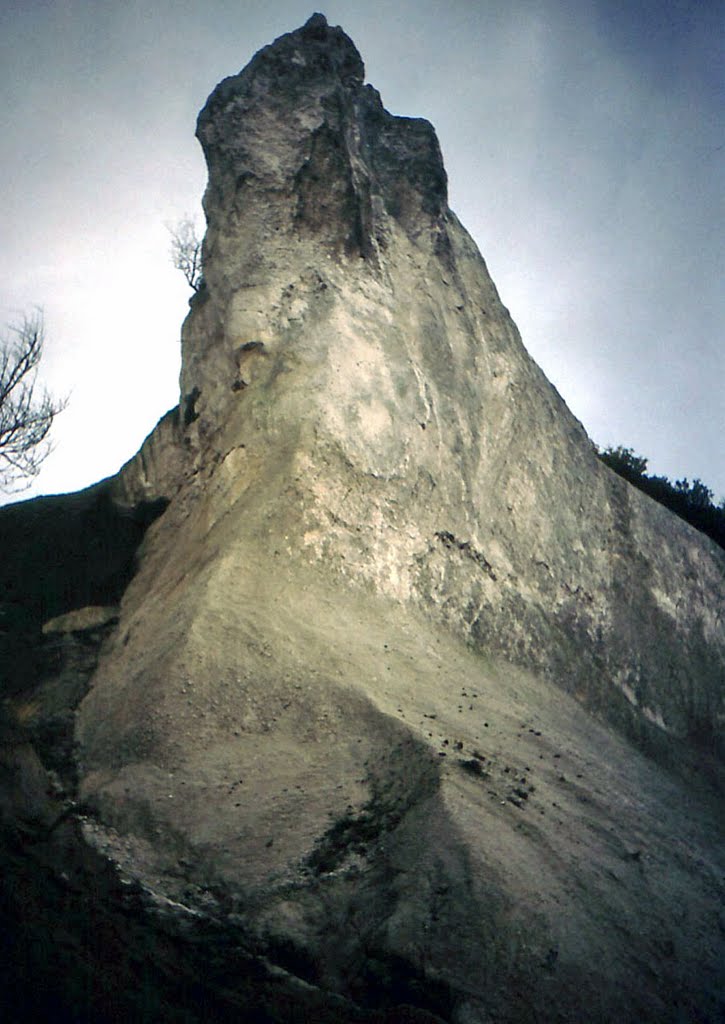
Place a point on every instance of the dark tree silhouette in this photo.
(625, 462)
(26, 412)
(693, 502)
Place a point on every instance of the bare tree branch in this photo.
(186, 252)
(26, 412)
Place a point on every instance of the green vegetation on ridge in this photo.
(693, 502)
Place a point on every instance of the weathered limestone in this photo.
(349, 319)
(380, 687)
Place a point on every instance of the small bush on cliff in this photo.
(186, 252)
(693, 502)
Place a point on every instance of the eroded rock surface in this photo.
(411, 703)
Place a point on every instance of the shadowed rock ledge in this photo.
(407, 708)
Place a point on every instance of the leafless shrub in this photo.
(186, 251)
(26, 411)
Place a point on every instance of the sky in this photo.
(585, 147)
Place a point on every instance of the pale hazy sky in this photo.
(585, 147)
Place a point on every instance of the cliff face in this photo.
(350, 322)
(376, 701)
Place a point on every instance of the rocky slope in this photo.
(412, 710)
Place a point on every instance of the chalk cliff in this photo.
(411, 703)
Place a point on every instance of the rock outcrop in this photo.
(412, 706)
(431, 457)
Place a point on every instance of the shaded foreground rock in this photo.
(410, 709)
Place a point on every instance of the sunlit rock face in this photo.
(376, 704)
(349, 322)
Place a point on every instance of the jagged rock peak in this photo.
(299, 121)
(318, 47)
